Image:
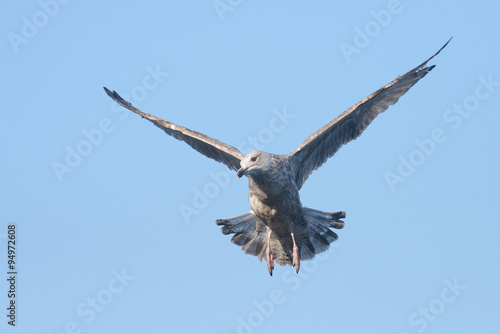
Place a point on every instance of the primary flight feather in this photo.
(278, 228)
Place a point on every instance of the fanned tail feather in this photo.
(315, 236)
(249, 233)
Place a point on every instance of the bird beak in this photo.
(242, 171)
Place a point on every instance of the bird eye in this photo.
(254, 158)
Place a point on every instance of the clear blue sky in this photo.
(116, 220)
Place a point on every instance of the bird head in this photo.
(254, 163)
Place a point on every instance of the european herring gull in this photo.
(278, 228)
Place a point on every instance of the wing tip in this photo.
(445, 44)
(110, 93)
(422, 66)
(116, 97)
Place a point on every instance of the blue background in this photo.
(117, 210)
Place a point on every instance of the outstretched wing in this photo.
(325, 142)
(209, 147)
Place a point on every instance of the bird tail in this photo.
(315, 237)
(249, 233)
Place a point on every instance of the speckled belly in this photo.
(277, 210)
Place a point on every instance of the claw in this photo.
(296, 259)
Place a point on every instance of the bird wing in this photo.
(325, 142)
(209, 147)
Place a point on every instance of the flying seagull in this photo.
(278, 228)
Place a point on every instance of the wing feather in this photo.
(349, 125)
(209, 147)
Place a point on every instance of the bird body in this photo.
(278, 228)
(278, 214)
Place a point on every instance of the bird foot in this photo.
(296, 259)
(270, 260)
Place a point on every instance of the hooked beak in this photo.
(242, 171)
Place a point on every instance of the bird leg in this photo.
(269, 255)
(296, 260)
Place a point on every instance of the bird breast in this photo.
(275, 201)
